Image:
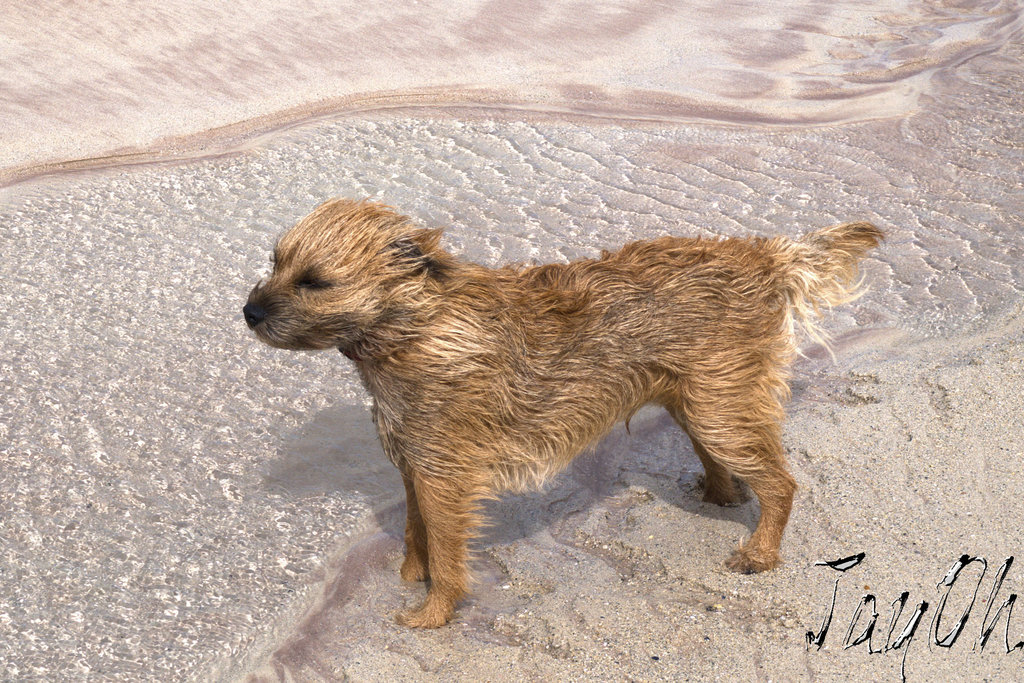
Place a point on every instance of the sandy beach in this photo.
(181, 502)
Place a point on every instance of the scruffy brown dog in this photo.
(486, 380)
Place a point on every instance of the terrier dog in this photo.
(486, 380)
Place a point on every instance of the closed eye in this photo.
(309, 282)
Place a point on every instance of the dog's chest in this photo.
(388, 411)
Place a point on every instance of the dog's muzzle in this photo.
(254, 314)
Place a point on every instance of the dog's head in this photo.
(344, 274)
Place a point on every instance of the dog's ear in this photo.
(407, 249)
(415, 253)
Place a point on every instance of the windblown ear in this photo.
(416, 252)
(406, 249)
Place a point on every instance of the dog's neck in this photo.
(351, 354)
(384, 337)
(404, 323)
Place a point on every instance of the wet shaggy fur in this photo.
(486, 380)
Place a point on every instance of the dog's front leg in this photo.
(447, 510)
(414, 567)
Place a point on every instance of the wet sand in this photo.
(179, 502)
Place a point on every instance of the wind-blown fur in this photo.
(495, 379)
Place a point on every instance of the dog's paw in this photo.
(723, 498)
(414, 568)
(725, 494)
(430, 614)
(747, 561)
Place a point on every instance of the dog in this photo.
(486, 380)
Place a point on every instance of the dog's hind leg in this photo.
(719, 486)
(448, 511)
(741, 433)
(774, 488)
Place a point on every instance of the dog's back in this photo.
(697, 291)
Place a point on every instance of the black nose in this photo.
(254, 314)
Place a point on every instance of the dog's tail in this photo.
(821, 269)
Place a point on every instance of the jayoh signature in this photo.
(905, 636)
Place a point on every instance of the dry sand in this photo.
(179, 502)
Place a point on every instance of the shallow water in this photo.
(174, 492)
(87, 82)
